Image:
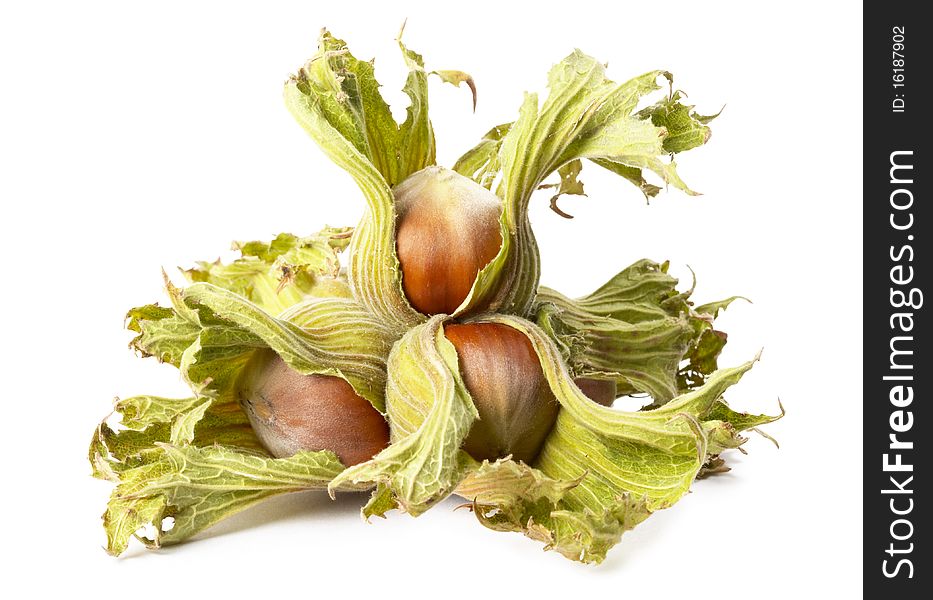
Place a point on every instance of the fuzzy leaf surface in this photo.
(608, 469)
(198, 486)
(281, 273)
(431, 412)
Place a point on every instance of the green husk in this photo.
(600, 472)
(430, 411)
(198, 486)
(210, 333)
(623, 465)
(585, 116)
(281, 273)
(637, 330)
(336, 99)
(197, 459)
(481, 163)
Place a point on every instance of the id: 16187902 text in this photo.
(898, 74)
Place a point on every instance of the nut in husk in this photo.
(291, 412)
(448, 230)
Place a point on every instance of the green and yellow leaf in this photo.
(283, 272)
(430, 411)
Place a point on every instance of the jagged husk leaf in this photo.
(197, 459)
(210, 333)
(712, 309)
(585, 115)
(702, 356)
(643, 291)
(724, 427)
(634, 175)
(335, 98)
(198, 486)
(639, 357)
(149, 420)
(637, 330)
(278, 274)
(481, 162)
(510, 496)
(455, 78)
(507, 483)
(568, 185)
(685, 129)
(604, 470)
(430, 411)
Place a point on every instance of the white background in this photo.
(137, 136)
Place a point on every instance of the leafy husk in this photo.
(638, 330)
(278, 274)
(196, 459)
(585, 116)
(430, 411)
(335, 98)
(601, 471)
